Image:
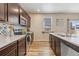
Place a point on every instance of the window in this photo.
(74, 25)
(47, 23)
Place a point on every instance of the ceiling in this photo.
(51, 7)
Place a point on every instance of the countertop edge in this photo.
(67, 42)
(1, 47)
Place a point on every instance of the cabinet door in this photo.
(50, 40)
(29, 22)
(6, 12)
(21, 47)
(55, 45)
(24, 17)
(9, 50)
(2, 12)
(58, 46)
(52, 43)
(13, 52)
(13, 13)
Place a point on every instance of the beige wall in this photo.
(37, 28)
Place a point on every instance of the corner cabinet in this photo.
(9, 50)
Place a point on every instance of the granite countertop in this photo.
(71, 39)
(5, 40)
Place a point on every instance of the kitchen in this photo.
(39, 29)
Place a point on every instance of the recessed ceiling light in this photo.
(38, 10)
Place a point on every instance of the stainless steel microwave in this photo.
(23, 21)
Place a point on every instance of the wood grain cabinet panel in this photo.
(21, 47)
(9, 50)
(13, 52)
(52, 43)
(25, 17)
(55, 44)
(13, 13)
(3, 10)
(58, 46)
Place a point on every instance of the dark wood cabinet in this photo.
(24, 18)
(2, 12)
(52, 43)
(21, 47)
(6, 12)
(9, 50)
(58, 46)
(12, 53)
(13, 13)
(29, 22)
(55, 44)
(17, 48)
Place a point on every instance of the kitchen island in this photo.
(12, 45)
(64, 45)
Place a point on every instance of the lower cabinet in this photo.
(10, 50)
(12, 53)
(55, 45)
(58, 46)
(17, 48)
(21, 47)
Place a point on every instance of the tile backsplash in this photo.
(7, 29)
(4, 29)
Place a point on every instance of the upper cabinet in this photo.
(13, 13)
(24, 18)
(6, 12)
(2, 12)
